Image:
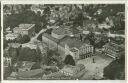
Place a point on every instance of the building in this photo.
(7, 61)
(11, 36)
(113, 50)
(14, 45)
(67, 73)
(66, 44)
(25, 29)
(29, 74)
(69, 70)
(24, 66)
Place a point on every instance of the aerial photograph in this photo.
(63, 42)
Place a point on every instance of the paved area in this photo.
(94, 70)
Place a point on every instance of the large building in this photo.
(25, 29)
(65, 44)
(113, 50)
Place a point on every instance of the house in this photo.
(104, 25)
(113, 50)
(25, 29)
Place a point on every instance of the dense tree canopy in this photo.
(69, 60)
(116, 69)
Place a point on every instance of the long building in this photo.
(58, 40)
(113, 50)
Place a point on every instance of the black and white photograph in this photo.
(63, 42)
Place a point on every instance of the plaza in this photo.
(94, 66)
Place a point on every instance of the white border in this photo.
(63, 2)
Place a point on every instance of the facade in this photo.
(65, 45)
(112, 50)
(25, 29)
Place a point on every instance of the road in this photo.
(35, 37)
(31, 44)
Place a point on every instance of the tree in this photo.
(69, 60)
(92, 39)
(116, 69)
(25, 39)
(27, 54)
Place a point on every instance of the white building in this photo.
(11, 36)
(25, 29)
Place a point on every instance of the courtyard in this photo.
(94, 66)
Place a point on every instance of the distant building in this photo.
(113, 50)
(7, 61)
(14, 45)
(25, 29)
(11, 36)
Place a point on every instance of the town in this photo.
(64, 41)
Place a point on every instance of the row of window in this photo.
(87, 50)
